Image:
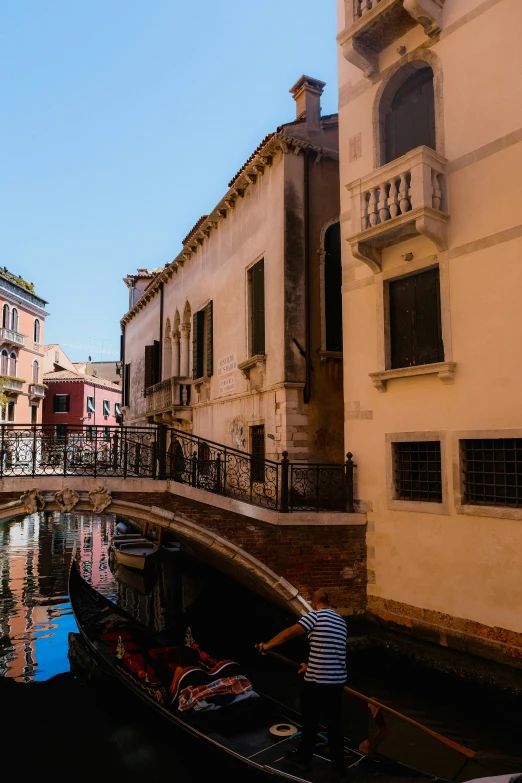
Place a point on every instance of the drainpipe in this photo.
(161, 334)
(307, 391)
(122, 369)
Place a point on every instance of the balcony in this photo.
(10, 384)
(403, 199)
(37, 391)
(11, 338)
(169, 401)
(372, 25)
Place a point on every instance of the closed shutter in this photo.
(333, 281)
(258, 308)
(156, 371)
(126, 385)
(195, 346)
(415, 323)
(149, 366)
(410, 122)
(210, 339)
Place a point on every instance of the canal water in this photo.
(56, 719)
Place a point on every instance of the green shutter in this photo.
(210, 339)
(258, 307)
(195, 346)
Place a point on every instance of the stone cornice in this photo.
(249, 175)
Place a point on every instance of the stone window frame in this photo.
(321, 252)
(500, 512)
(396, 75)
(445, 369)
(418, 506)
(252, 360)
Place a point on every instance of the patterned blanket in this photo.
(236, 685)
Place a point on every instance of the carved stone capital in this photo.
(99, 499)
(66, 500)
(32, 501)
(427, 13)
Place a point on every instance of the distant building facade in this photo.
(75, 399)
(109, 371)
(239, 339)
(432, 281)
(22, 329)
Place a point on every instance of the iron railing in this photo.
(166, 453)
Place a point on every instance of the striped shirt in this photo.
(327, 635)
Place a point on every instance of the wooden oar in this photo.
(455, 745)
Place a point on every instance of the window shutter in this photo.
(333, 281)
(402, 322)
(156, 370)
(126, 385)
(149, 365)
(195, 346)
(210, 339)
(67, 403)
(55, 403)
(428, 326)
(258, 307)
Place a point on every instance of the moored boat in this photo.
(212, 700)
(134, 551)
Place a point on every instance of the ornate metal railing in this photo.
(166, 453)
(285, 486)
(77, 450)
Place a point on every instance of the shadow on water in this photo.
(75, 727)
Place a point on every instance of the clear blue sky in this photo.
(122, 122)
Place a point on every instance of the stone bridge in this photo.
(280, 556)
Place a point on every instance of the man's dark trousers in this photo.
(324, 701)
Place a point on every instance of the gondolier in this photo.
(324, 679)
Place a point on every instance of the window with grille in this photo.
(256, 285)
(492, 471)
(415, 322)
(418, 471)
(257, 440)
(61, 404)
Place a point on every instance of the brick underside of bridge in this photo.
(306, 550)
(308, 556)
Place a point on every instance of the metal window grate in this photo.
(493, 471)
(418, 474)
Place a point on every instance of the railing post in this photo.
(125, 453)
(218, 473)
(349, 466)
(162, 451)
(194, 469)
(283, 504)
(65, 442)
(115, 451)
(34, 450)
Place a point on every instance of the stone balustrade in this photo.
(37, 390)
(166, 396)
(361, 7)
(404, 198)
(12, 338)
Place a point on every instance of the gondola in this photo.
(236, 721)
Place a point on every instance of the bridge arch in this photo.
(208, 545)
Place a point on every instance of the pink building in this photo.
(22, 317)
(76, 399)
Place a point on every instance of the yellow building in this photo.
(430, 129)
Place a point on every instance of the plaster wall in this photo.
(459, 563)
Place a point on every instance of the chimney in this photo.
(307, 96)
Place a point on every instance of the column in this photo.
(185, 351)
(175, 354)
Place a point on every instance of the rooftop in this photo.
(69, 375)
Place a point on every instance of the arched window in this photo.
(333, 280)
(14, 319)
(12, 365)
(4, 363)
(410, 119)
(36, 372)
(36, 336)
(5, 316)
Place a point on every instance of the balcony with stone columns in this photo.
(169, 401)
(372, 25)
(8, 337)
(404, 199)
